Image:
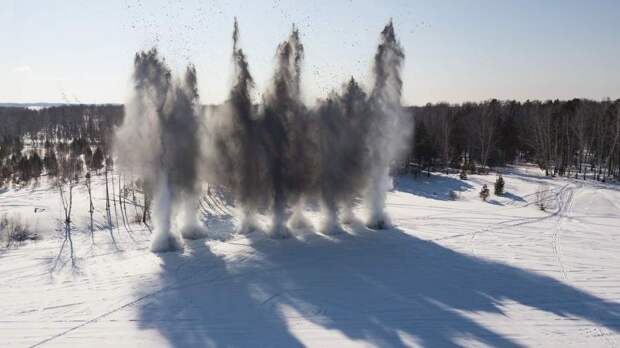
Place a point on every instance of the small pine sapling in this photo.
(499, 186)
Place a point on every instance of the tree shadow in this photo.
(528, 177)
(200, 302)
(434, 187)
(602, 185)
(376, 287)
(513, 197)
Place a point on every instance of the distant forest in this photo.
(569, 138)
(579, 138)
(50, 141)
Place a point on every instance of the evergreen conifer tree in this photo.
(499, 186)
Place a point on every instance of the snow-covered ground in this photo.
(450, 273)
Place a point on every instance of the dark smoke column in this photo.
(158, 142)
(343, 171)
(249, 175)
(284, 118)
(389, 128)
(182, 150)
(235, 149)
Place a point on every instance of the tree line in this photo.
(49, 141)
(578, 137)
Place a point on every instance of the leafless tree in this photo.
(91, 207)
(441, 127)
(70, 169)
(484, 126)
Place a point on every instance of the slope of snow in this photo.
(450, 273)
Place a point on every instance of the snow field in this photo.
(450, 273)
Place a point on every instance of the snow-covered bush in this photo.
(137, 219)
(484, 193)
(14, 231)
(454, 195)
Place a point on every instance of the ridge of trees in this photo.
(578, 137)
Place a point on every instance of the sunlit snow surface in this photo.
(464, 273)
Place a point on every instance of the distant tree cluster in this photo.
(35, 126)
(576, 137)
(54, 141)
(67, 144)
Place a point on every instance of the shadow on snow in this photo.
(375, 287)
(433, 187)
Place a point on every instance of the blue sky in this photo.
(456, 51)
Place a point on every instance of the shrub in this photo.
(542, 197)
(454, 195)
(14, 231)
(499, 186)
(137, 219)
(463, 174)
(484, 193)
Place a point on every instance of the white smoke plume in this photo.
(390, 128)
